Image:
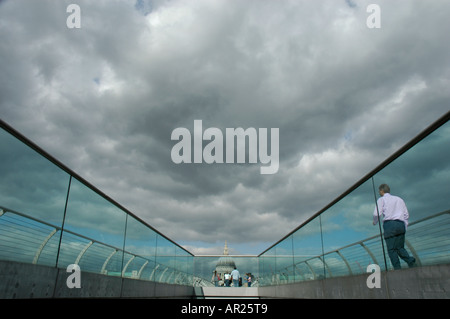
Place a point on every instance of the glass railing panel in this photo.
(29, 183)
(357, 258)
(190, 269)
(183, 279)
(429, 240)
(165, 256)
(147, 270)
(284, 260)
(183, 258)
(375, 249)
(170, 276)
(23, 239)
(307, 245)
(317, 267)
(35, 188)
(335, 265)
(49, 250)
(267, 268)
(114, 264)
(96, 257)
(347, 222)
(127, 260)
(204, 268)
(71, 249)
(303, 272)
(93, 217)
(133, 266)
(160, 272)
(421, 177)
(140, 241)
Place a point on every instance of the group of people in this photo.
(234, 278)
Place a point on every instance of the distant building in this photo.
(225, 264)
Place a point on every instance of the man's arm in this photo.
(405, 214)
(376, 212)
(375, 217)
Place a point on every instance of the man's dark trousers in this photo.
(394, 235)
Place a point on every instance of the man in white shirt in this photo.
(227, 280)
(395, 222)
(235, 276)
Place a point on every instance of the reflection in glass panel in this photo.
(307, 245)
(317, 267)
(421, 177)
(72, 249)
(30, 184)
(189, 280)
(129, 259)
(303, 272)
(146, 272)
(345, 224)
(96, 257)
(165, 259)
(49, 249)
(203, 269)
(140, 241)
(428, 239)
(98, 221)
(182, 265)
(374, 248)
(336, 266)
(132, 266)
(91, 215)
(26, 240)
(162, 273)
(267, 268)
(357, 258)
(114, 264)
(284, 261)
(33, 193)
(353, 216)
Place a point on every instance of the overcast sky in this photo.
(105, 98)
